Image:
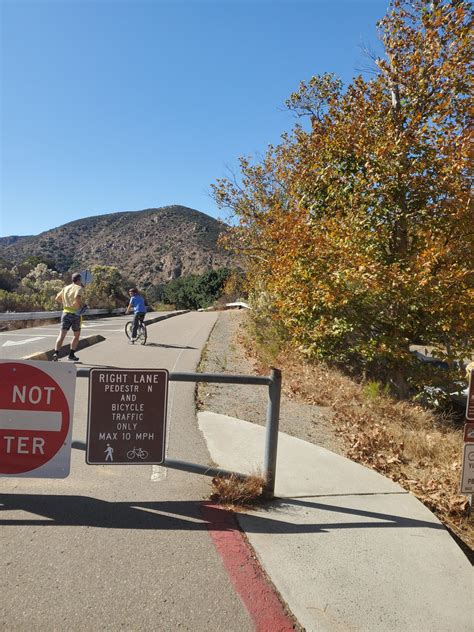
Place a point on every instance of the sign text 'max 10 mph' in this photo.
(127, 416)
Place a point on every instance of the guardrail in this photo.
(273, 381)
(6, 316)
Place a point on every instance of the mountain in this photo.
(13, 239)
(149, 247)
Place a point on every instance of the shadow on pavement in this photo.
(389, 520)
(59, 510)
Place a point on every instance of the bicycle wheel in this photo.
(141, 334)
(128, 329)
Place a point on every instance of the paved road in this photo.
(112, 547)
(23, 342)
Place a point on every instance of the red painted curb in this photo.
(259, 598)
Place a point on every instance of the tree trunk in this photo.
(399, 382)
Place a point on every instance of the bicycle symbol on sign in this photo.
(137, 453)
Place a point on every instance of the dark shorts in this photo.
(70, 321)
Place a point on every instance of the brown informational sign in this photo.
(467, 474)
(469, 432)
(127, 416)
(470, 398)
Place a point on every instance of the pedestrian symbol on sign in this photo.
(109, 453)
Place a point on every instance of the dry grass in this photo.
(414, 447)
(236, 492)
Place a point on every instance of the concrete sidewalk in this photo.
(346, 548)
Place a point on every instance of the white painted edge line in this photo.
(8, 334)
(158, 473)
(40, 420)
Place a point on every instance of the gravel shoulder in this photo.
(224, 353)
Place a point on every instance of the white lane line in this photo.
(160, 472)
(30, 420)
(9, 334)
(12, 343)
(15, 333)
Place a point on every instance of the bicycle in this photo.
(141, 332)
(137, 452)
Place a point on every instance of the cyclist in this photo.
(71, 298)
(137, 303)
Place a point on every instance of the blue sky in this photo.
(124, 105)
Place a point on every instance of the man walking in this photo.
(71, 298)
(137, 303)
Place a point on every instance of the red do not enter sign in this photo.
(35, 417)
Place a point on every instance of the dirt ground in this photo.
(225, 354)
(321, 425)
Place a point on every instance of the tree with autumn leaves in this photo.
(357, 228)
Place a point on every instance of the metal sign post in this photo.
(105, 455)
(470, 398)
(273, 421)
(467, 472)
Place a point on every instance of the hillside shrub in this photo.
(8, 281)
(195, 291)
(108, 289)
(357, 225)
(15, 302)
(43, 283)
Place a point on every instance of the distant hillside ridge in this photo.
(12, 239)
(150, 246)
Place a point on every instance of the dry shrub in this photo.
(413, 446)
(236, 491)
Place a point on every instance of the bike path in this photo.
(114, 547)
(21, 343)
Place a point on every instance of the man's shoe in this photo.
(54, 357)
(73, 358)
(132, 341)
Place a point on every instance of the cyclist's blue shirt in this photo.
(138, 304)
